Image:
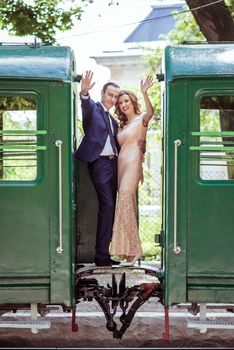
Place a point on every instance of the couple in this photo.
(104, 140)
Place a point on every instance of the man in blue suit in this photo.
(99, 149)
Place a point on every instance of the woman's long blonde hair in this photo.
(120, 115)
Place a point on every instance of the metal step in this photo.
(33, 325)
(203, 324)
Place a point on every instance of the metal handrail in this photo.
(23, 148)
(23, 132)
(176, 248)
(211, 148)
(212, 133)
(59, 249)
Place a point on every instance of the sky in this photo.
(105, 27)
(101, 28)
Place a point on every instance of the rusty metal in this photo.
(111, 297)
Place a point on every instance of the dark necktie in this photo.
(112, 141)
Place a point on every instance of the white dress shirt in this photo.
(107, 150)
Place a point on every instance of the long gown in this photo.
(125, 239)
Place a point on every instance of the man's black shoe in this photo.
(102, 262)
(105, 262)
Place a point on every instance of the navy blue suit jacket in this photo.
(95, 131)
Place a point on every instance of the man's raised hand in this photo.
(86, 82)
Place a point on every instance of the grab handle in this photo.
(176, 248)
(59, 249)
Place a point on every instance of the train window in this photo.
(18, 140)
(216, 138)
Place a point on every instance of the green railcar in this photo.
(48, 207)
(37, 133)
(198, 174)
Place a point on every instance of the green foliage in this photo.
(148, 227)
(79, 129)
(149, 197)
(17, 103)
(230, 5)
(19, 168)
(185, 29)
(153, 61)
(18, 113)
(41, 19)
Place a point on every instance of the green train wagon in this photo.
(198, 174)
(48, 205)
(47, 202)
(37, 139)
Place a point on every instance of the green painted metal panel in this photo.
(36, 62)
(175, 127)
(30, 213)
(25, 218)
(199, 61)
(222, 295)
(210, 215)
(60, 125)
(24, 295)
(203, 270)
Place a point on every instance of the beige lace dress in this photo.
(125, 239)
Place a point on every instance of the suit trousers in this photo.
(103, 174)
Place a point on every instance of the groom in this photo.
(99, 149)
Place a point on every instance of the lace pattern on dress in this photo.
(125, 240)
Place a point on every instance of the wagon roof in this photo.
(199, 60)
(33, 62)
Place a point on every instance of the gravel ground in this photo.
(145, 330)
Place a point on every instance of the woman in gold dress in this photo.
(132, 127)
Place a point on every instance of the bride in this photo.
(132, 127)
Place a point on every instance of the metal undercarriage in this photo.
(117, 295)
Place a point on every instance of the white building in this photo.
(127, 65)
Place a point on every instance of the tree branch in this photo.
(215, 21)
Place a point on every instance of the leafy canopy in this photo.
(40, 18)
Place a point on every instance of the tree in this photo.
(208, 20)
(40, 18)
(215, 21)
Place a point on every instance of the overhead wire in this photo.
(144, 21)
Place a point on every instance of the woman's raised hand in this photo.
(86, 82)
(146, 84)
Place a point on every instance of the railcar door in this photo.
(210, 191)
(199, 189)
(24, 194)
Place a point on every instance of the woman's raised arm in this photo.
(145, 85)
